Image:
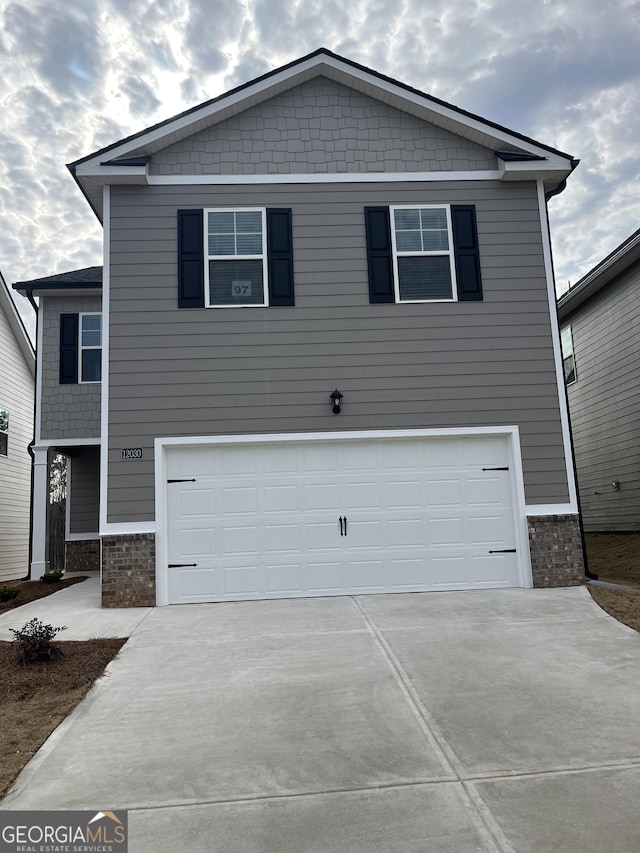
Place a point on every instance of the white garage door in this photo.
(280, 520)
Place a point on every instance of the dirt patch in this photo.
(35, 699)
(33, 590)
(615, 558)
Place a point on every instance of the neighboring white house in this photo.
(17, 381)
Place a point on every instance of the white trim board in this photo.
(557, 349)
(510, 432)
(534, 510)
(325, 178)
(104, 389)
(69, 442)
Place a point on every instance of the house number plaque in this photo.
(132, 453)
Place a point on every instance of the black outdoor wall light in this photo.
(336, 399)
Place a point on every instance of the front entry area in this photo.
(296, 518)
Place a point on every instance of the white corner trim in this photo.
(104, 388)
(551, 509)
(557, 350)
(38, 384)
(324, 178)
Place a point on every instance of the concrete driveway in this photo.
(475, 721)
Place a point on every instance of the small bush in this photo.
(33, 642)
(8, 593)
(52, 577)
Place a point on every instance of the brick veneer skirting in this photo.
(556, 550)
(82, 555)
(129, 570)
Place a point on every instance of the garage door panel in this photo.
(286, 578)
(281, 537)
(325, 577)
(199, 542)
(365, 575)
(189, 584)
(443, 492)
(321, 497)
(363, 534)
(241, 580)
(448, 531)
(281, 499)
(239, 501)
(263, 520)
(240, 540)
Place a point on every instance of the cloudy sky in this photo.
(76, 75)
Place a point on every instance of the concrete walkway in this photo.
(477, 721)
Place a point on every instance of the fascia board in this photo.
(602, 274)
(17, 326)
(113, 174)
(463, 124)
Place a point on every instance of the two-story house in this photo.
(600, 318)
(322, 355)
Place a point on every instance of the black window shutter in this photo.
(467, 255)
(379, 254)
(190, 259)
(68, 349)
(280, 256)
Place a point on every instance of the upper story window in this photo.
(236, 254)
(90, 349)
(568, 359)
(422, 241)
(80, 348)
(4, 432)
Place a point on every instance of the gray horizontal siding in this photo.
(84, 490)
(68, 411)
(605, 405)
(208, 372)
(320, 126)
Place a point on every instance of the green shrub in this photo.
(33, 642)
(8, 593)
(52, 577)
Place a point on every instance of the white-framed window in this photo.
(4, 432)
(236, 257)
(568, 358)
(422, 241)
(90, 349)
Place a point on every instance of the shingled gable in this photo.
(127, 161)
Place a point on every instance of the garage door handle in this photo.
(495, 469)
(504, 551)
(192, 480)
(345, 526)
(181, 565)
(341, 528)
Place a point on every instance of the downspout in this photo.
(587, 571)
(33, 440)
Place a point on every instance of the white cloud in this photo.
(78, 76)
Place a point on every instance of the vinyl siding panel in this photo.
(258, 370)
(84, 491)
(605, 404)
(68, 411)
(16, 396)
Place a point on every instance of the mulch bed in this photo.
(33, 590)
(34, 699)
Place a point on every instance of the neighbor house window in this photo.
(423, 253)
(90, 349)
(235, 249)
(4, 432)
(568, 360)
